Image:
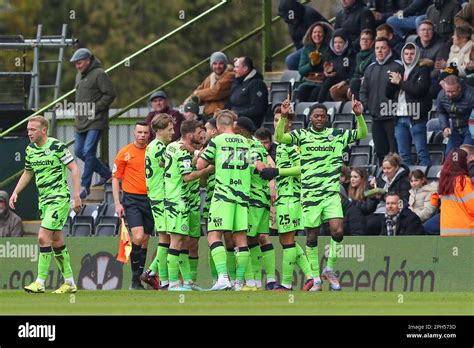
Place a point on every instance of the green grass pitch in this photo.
(15, 302)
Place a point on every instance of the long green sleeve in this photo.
(280, 135)
(362, 130)
(292, 171)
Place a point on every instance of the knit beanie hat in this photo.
(218, 57)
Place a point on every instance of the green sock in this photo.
(242, 259)
(193, 263)
(173, 265)
(44, 261)
(63, 261)
(249, 275)
(256, 257)
(220, 259)
(312, 253)
(334, 249)
(268, 257)
(302, 261)
(161, 256)
(212, 266)
(154, 264)
(231, 260)
(289, 260)
(184, 265)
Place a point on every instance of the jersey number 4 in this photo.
(241, 157)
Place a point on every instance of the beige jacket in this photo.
(214, 91)
(420, 201)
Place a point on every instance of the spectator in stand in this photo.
(455, 102)
(316, 47)
(159, 105)
(432, 48)
(399, 220)
(93, 86)
(394, 178)
(364, 57)
(345, 178)
(353, 18)
(338, 69)
(359, 207)
(372, 96)
(10, 223)
(249, 95)
(420, 195)
(408, 90)
(266, 138)
(441, 14)
(465, 16)
(385, 30)
(191, 112)
(470, 158)
(383, 9)
(456, 191)
(406, 21)
(299, 18)
(214, 91)
(461, 54)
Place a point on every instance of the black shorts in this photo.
(138, 211)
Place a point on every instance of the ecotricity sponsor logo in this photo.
(355, 251)
(19, 251)
(37, 331)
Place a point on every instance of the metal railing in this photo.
(123, 61)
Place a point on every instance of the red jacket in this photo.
(178, 119)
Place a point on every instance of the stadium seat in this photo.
(359, 159)
(302, 109)
(269, 125)
(336, 105)
(67, 227)
(347, 108)
(438, 138)
(343, 117)
(368, 140)
(290, 76)
(277, 97)
(280, 86)
(422, 168)
(437, 147)
(436, 157)
(109, 210)
(82, 226)
(92, 210)
(105, 230)
(297, 125)
(368, 149)
(342, 124)
(433, 172)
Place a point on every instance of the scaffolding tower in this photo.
(21, 81)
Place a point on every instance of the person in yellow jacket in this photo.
(456, 191)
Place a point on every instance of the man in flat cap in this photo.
(94, 95)
(159, 105)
